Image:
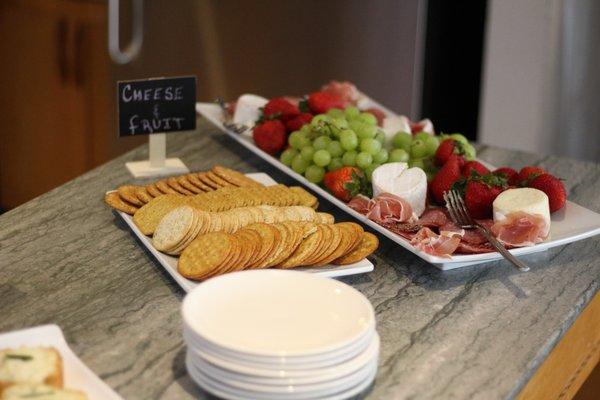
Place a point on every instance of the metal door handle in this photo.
(132, 50)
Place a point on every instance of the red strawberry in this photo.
(270, 136)
(298, 122)
(479, 197)
(475, 166)
(279, 107)
(509, 173)
(528, 173)
(446, 149)
(445, 178)
(321, 102)
(554, 189)
(346, 182)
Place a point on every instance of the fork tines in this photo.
(457, 209)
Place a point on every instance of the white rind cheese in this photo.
(407, 183)
(528, 200)
(247, 110)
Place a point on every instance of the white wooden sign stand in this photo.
(157, 164)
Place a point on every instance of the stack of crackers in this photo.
(177, 229)
(278, 245)
(130, 198)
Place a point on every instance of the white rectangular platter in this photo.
(571, 224)
(170, 263)
(76, 374)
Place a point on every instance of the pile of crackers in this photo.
(129, 198)
(177, 229)
(278, 245)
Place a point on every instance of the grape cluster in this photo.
(338, 138)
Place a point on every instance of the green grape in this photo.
(336, 163)
(288, 155)
(368, 118)
(351, 112)
(349, 158)
(369, 170)
(316, 121)
(356, 125)
(371, 146)
(459, 138)
(421, 136)
(417, 162)
(335, 148)
(398, 155)
(470, 151)
(381, 157)
(298, 140)
(340, 124)
(322, 158)
(402, 140)
(335, 113)
(348, 139)
(306, 129)
(321, 142)
(307, 153)
(418, 149)
(364, 159)
(431, 144)
(314, 173)
(298, 164)
(380, 137)
(367, 132)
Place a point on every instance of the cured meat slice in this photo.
(470, 248)
(520, 229)
(361, 204)
(424, 125)
(389, 208)
(407, 231)
(346, 90)
(433, 218)
(438, 245)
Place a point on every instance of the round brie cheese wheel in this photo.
(407, 183)
(528, 200)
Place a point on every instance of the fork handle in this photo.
(502, 250)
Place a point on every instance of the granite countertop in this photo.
(478, 332)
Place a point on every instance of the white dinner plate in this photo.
(569, 225)
(277, 313)
(227, 392)
(76, 374)
(309, 372)
(169, 263)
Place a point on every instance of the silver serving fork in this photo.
(459, 214)
(227, 123)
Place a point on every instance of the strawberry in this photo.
(445, 178)
(278, 107)
(528, 173)
(270, 136)
(474, 167)
(346, 182)
(446, 149)
(298, 122)
(321, 102)
(509, 173)
(480, 193)
(554, 189)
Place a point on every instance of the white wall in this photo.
(519, 79)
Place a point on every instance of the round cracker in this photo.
(153, 190)
(204, 255)
(165, 188)
(217, 179)
(115, 201)
(305, 249)
(193, 179)
(186, 184)
(128, 193)
(207, 181)
(175, 185)
(142, 194)
(269, 236)
(234, 177)
(368, 245)
(252, 241)
(326, 243)
(173, 228)
(347, 238)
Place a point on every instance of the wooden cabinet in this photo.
(56, 120)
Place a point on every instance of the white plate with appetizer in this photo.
(169, 262)
(406, 173)
(38, 363)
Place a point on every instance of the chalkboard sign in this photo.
(157, 105)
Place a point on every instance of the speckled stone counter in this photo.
(475, 333)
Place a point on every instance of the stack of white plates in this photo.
(272, 334)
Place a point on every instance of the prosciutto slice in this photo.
(346, 90)
(361, 204)
(387, 207)
(520, 229)
(433, 218)
(441, 245)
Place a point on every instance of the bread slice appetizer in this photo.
(40, 392)
(33, 365)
